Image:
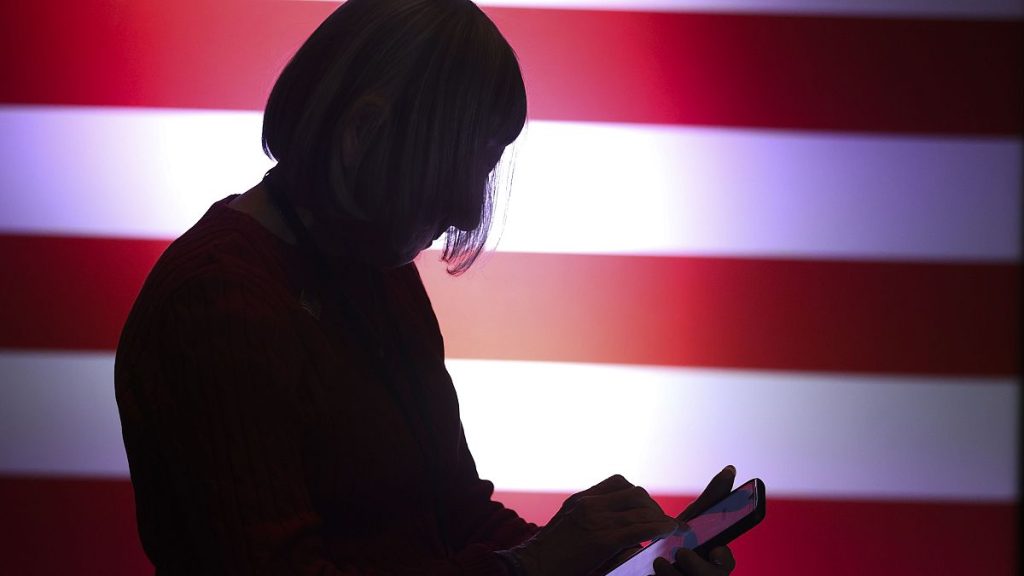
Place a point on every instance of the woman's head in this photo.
(388, 122)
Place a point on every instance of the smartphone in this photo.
(720, 524)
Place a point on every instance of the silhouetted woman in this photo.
(281, 380)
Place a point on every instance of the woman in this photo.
(280, 379)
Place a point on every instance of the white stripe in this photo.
(58, 415)
(539, 426)
(578, 187)
(666, 190)
(889, 8)
(122, 172)
(562, 427)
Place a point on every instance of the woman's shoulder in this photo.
(221, 262)
(225, 245)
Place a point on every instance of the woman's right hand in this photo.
(591, 527)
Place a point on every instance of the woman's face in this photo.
(466, 217)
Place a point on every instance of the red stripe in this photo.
(74, 293)
(801, 72)
(52, 526)
(70, 293)
(737, 313)
(61, 526)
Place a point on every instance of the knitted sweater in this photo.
(271, 431)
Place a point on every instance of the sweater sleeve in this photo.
(478, 521)
(225, 423)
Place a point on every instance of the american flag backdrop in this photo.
(782, 234)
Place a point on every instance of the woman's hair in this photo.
(391, 119)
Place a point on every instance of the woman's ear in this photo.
(360, 126)
(357, 132)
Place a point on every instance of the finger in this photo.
(722, 556)
(618, 511)
(633, 533)
(690, 564)
(663, 568)
(610, 484)
(630, 498)
(719, 487)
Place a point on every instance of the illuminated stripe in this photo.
(812, 435)
(593, 188)
(934, 538)
(669, 429)
(75, 293)
(577, 188)
(59, 416)
(122, 172)
(806, 72)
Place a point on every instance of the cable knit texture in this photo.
(264, 440)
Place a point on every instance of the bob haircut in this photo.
(389, 121)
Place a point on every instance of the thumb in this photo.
(719, 487)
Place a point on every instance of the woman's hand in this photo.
(719, 487)
(720, 561)
(591, 527)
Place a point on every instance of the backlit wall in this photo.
(781, 234)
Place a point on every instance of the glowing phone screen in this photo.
(712, 522)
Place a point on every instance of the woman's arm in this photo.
(216, 448)
(219, 481)
(476, 519)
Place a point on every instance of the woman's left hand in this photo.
(718, 488)
(720, 563)
(720, 560)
